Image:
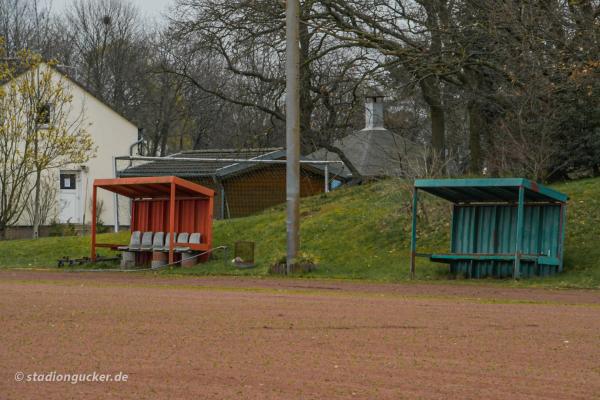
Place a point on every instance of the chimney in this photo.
(374, 112)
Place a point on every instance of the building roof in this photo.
(190, 169)
(489, 190)
(373, 152)
(174, 165)
(20, 70)
(153, 187)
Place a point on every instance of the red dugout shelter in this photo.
(162, 204)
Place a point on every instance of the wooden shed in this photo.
(241, 189)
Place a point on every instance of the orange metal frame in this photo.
(163, 191)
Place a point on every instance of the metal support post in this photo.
(413, 238)
(292, 132)
(520, 223)
(326, 178)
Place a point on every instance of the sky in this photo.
(154, 9)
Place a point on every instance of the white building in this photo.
(112, 134)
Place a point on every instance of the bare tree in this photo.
(410, 34)
(44, 124)
(26, 24)
(48, 201)
(481, 82)
(108, 39)
(247, 42)
(16, 167)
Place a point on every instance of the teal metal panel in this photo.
(561, 245)
(491, 230)
(413, 237)
(501, 227)
(487, 227)
(503, 269)
(489, 190)
(520, 228)
(506, 232)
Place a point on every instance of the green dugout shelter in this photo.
(500, 227)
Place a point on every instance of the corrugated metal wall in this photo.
(191, 215)
(492, 229)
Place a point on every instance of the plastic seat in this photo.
(159, 241)
(182, 239)
(195, 238)
(135, 241)
(167, 242)
(146, 241)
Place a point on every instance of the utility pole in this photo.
(292, 131)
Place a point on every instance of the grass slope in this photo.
(361, 232)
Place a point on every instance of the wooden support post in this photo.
(413, 239)
(172, 224)
(94, 193)
(520, 225)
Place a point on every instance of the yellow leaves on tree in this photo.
(40, 129)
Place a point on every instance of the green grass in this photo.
(357, 233)
(45, 252)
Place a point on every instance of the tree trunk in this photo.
(475, 129)
(438, 136)
(197, 141)
(430, 84)
(164, 132)
(430, 88)
(491, 159)
(36, 205)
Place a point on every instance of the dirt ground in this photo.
(234, 338)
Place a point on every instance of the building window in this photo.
(43, 114)
(67, 181)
